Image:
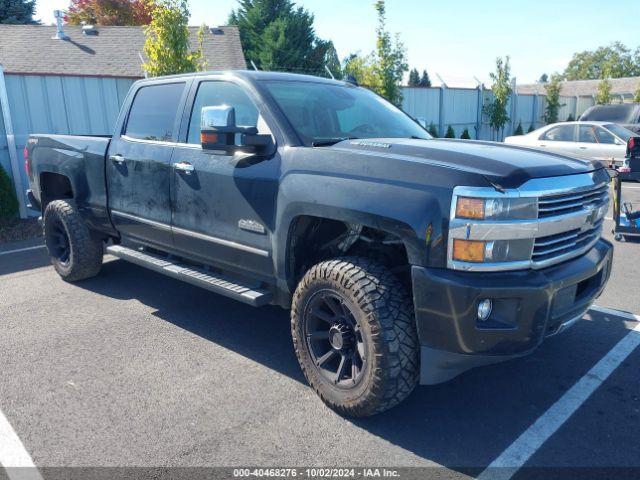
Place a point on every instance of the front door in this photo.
(224, 205)
(596, 142)
(139, 165)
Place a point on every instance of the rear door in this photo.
(224, 206)
(138, 166)
(559, 139)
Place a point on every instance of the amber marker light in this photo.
(208, 137)
(467, 207)
(468, 251)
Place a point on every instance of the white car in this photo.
(596, 140)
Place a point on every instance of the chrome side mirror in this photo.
(218, 129)
(219, 133)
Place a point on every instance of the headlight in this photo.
(496, 209)
(489, 230)
(495, 251)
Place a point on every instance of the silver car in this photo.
(596, 140)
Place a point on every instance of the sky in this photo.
(457, 39)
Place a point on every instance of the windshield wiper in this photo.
(331, 141)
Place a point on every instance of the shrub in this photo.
(450, 132)
(519, 130)
(570, 118)
(433, 131)
(531, 128)
(465, 134)
(8, 200)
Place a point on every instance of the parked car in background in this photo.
(596, 140)
(624, 114)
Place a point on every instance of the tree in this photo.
(603, 97)
(553, 89)
(8, 201)
(361, 69)
(17, 12)
(570, 118)
(616, 59)
(496, 110)
(277, 35)
(167, 41)
(433, 131)
(414, 78)
(109, 12)
(636, 97)
(425, 81)
(390, 64)
(450, 132)
(544, 78)
(465, 134)
(519, 130)
(383, 69)
(531, 128)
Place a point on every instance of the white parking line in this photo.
(22, 250)
(617, 313)
(520, 451)
(13, 456)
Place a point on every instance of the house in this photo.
(622, 89)
(76, 85)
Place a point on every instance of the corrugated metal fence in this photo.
(462, 108)
(59, 105)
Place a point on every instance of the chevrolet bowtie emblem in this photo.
(592, 215)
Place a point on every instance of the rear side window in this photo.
(587, 134)
(561, 133)
(153, 113)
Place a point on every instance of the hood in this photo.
(505, 166)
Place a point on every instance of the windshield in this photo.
(323, 114)
(620, 132)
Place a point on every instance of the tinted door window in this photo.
(561, 133)
(153, 113)
(604, 136)
(215, 94)
(587, 134)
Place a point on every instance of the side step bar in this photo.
(217, 283)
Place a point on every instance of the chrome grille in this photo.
(552, 205)
(549, 248)
(552, 249)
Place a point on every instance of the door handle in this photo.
(543, 145)
(582, 148)
(185, 167)
(117, 159)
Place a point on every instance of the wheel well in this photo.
(314, 239)
(54, 186)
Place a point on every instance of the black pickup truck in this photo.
(403, 259)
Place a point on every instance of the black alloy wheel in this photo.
(334, 339)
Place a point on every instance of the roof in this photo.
(584, 88)
(113, 52)
(257, 75)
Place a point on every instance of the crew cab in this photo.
(403, 259)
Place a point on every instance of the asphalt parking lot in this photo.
(133, 369)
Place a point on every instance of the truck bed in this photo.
(80, 158)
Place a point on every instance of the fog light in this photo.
(484, 309)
